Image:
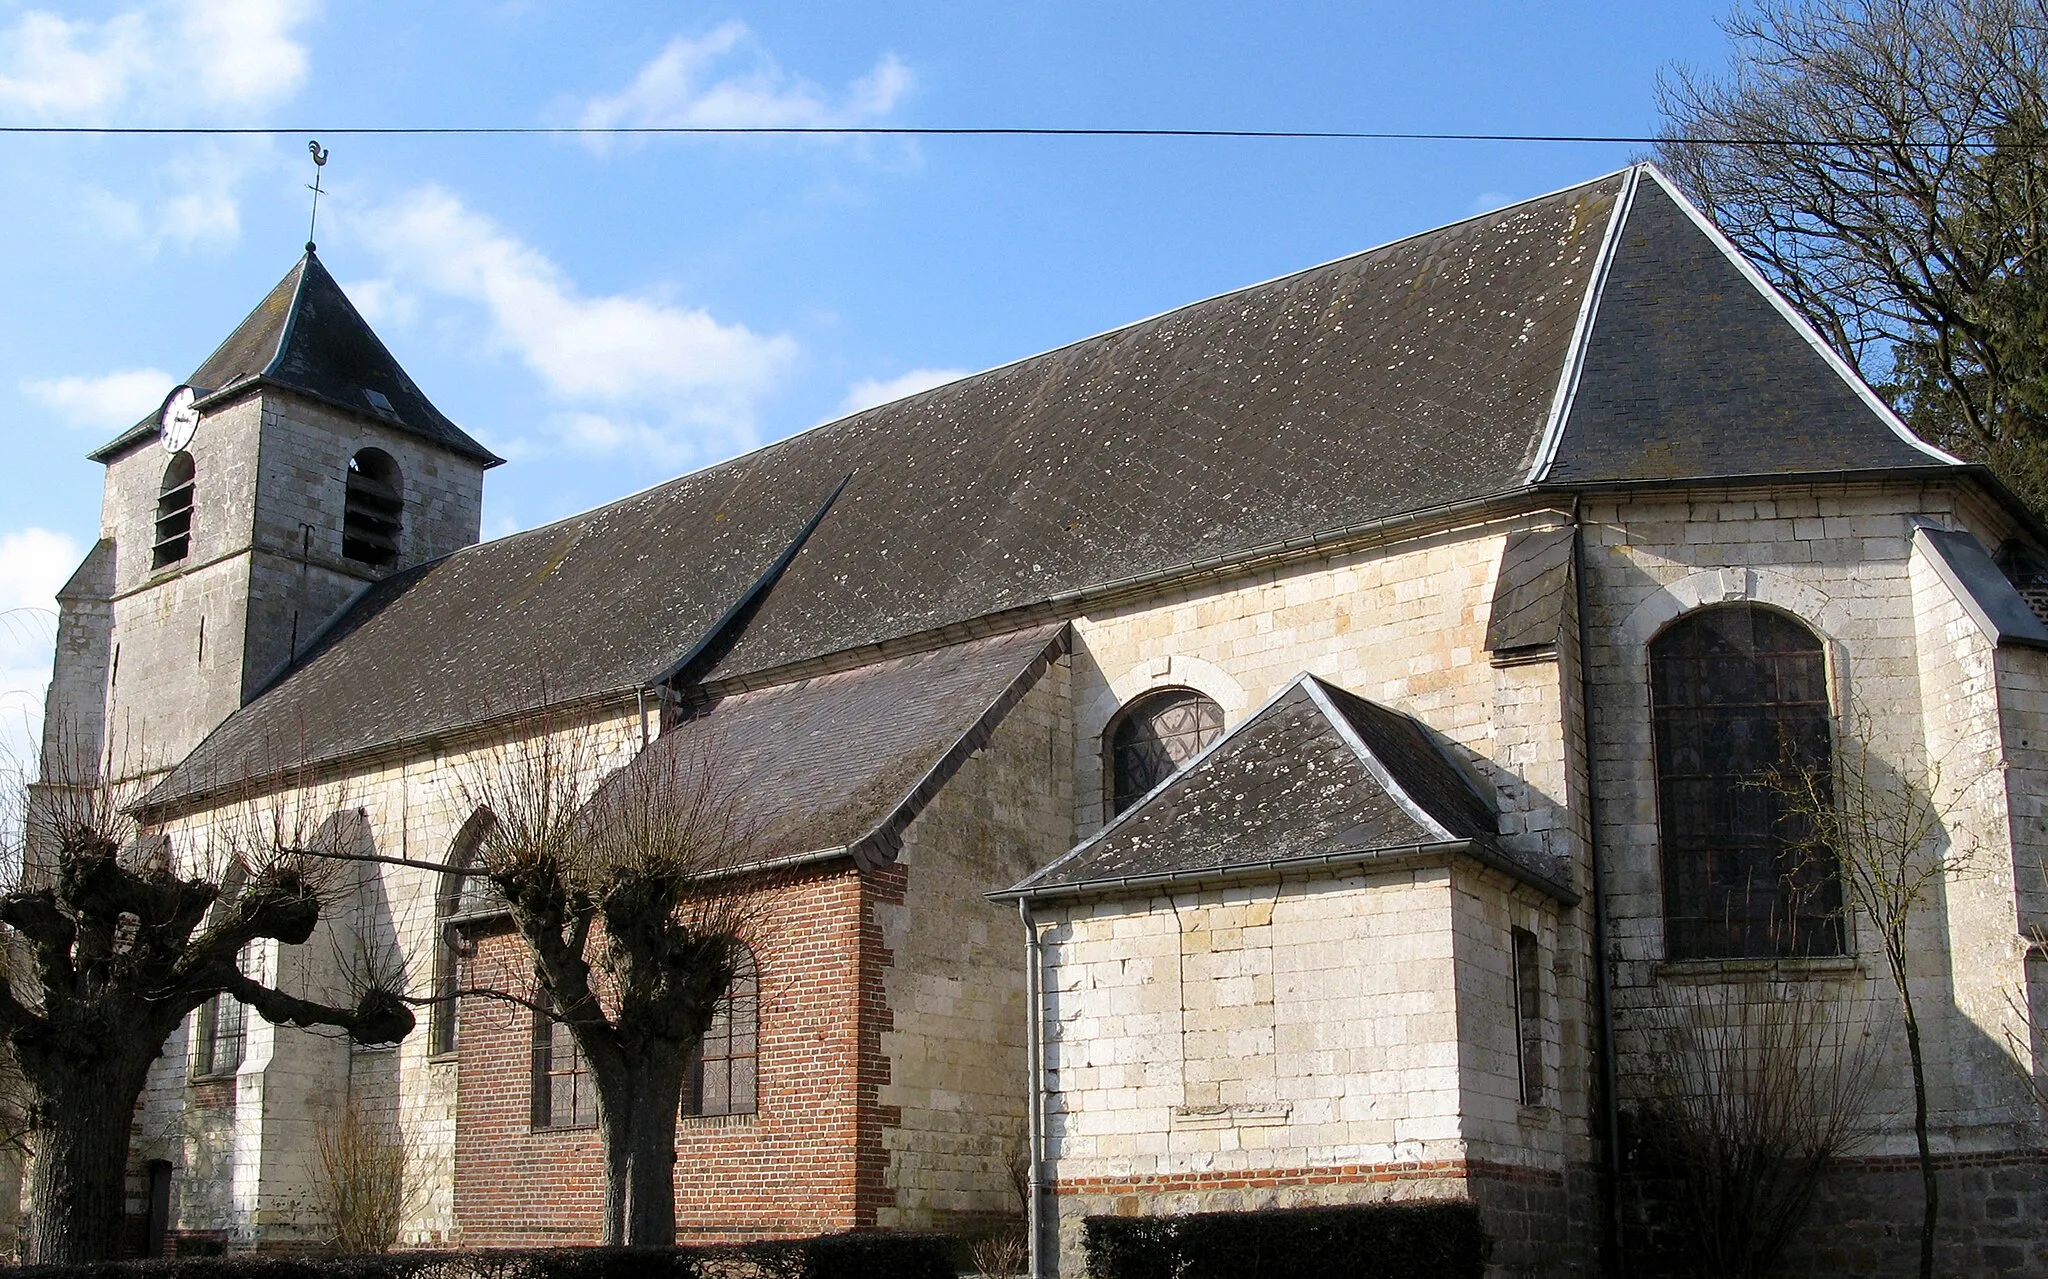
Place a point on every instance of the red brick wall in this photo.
(794, 1167)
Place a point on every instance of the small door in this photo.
(159, 1208)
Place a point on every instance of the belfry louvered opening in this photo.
(174, 513)
(376, 506)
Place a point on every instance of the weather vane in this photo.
(319, 163)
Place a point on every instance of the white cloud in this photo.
(34, 562)
(162, 58)
(381, 301)
(682, 87)
(109, 402)
(634, 372)
(868, 392)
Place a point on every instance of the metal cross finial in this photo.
(319, 163)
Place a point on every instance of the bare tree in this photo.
(366, 1181)
(628, 900)
(1885, 163)
(1755, 1092)
(1886, 827)
(118, 940)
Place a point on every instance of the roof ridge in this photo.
(1582, 331)
(291, 313)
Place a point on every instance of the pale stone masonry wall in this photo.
(299, 578)
(246, 1151)
(1910, 672)
(189, 641)
(955, 985)
(1232, 1047)
(1403, 625)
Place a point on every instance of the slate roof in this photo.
(846, 761)
(1420, 375)
(1531, 592)
(1317, 774)
(1691, 370)
(306, 335)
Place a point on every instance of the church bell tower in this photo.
(297, 467)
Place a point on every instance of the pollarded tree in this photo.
(631, 898)
(113, 947)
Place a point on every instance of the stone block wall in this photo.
(1253, 1045)
(952, 992)
(1908, 672)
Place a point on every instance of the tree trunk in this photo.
(638, 1121)
(78, 1178)
(1930, 1192)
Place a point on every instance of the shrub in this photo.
(1360, 1241)
(849, 1256)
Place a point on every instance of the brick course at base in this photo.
(792, 1168)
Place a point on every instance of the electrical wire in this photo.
(977, 131)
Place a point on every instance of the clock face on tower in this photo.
(178, 420)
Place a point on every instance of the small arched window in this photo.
(463, 892)
(1739, 697)
(374, 509)
(1153, 738)
(174, 512)
(719, 1079)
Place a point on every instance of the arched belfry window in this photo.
(375, 508)
(720, 1076)
(463, 892)
(1153, 737)
(1740, 704)
(174, 512)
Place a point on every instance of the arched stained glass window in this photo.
(1738, 695)
(720, 1077)
(1154, 737)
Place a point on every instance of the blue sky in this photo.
(610, 313)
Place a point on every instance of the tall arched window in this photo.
(719, 1079)
(1738, 695)
(174, 512)
(1153, 737)
(462, 892)
(374, 508)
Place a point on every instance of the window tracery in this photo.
(1738, 696)
(1154, 737)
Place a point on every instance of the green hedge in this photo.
(849, 1256)
(1363, 1241)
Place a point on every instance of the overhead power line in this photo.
(971, 131)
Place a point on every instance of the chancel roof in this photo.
(1443, 369)
(307, 336)
(1318, 776)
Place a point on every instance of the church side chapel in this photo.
(1310, 747)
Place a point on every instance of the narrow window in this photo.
(564, 1094)
(1738, 695)
(720, 1077)
(462, 893)
(1527, 993)
(221, 1033)
(174, 513)
(1154, 737)
(375, 504)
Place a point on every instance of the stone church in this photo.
(1299, 748)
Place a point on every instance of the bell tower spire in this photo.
(297, 467)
